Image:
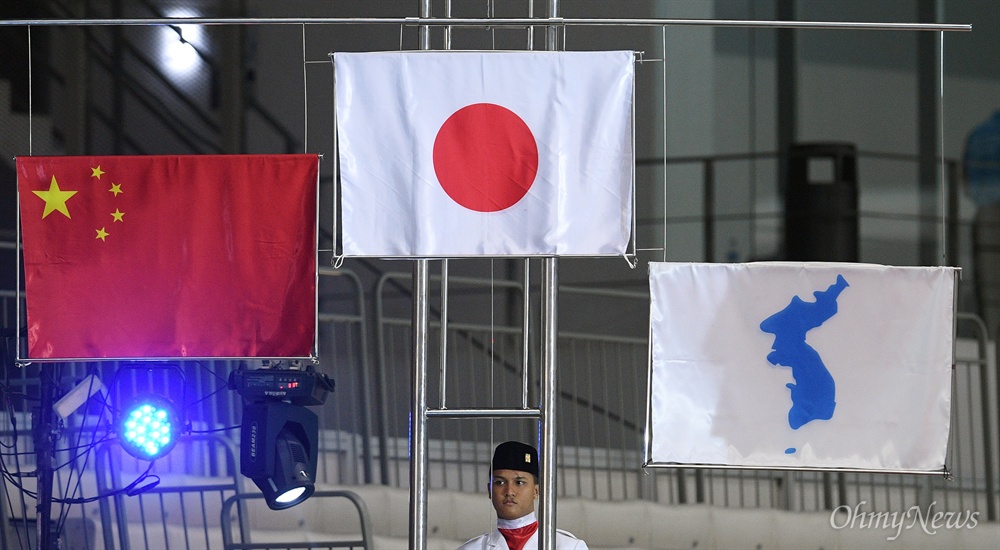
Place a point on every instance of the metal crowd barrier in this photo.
(244, 540)
(602, 379)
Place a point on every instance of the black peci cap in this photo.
(514, 455)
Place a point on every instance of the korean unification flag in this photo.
(819, 365)
(449, 154)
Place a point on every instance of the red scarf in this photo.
(517, 537)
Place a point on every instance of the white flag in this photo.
(818, 365)
(446, 154)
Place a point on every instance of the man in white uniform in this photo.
(513, 490)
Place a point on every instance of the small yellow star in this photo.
(118, 215)
(96, 172)
(101, 234)
(116, 188)
(55, 198)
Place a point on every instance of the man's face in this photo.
(513, 493)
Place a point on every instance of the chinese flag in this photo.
(169, 256)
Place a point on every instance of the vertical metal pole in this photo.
(942, 193)
(443, 352)
(550, 330)
(827, 491)
(418, 410)
(954, 184)
(447, 30)
(930, 249)
(663, 120)
(991, 482)
(547, 516)
(305, 95)
(525, 329)
(708, 210)
(531, 28)
(841, 488)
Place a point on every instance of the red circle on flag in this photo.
(485, 157)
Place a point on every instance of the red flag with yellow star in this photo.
(169, 256)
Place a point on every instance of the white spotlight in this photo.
(178, 45)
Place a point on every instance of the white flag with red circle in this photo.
(450, 154)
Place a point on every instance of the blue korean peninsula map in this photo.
(814, 390)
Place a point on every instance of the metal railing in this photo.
(244, 540)
(602, 390)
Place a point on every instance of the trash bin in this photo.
(821, 203)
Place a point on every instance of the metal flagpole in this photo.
(547, 505)
(418, 412)
(547, 443)
(418, 416)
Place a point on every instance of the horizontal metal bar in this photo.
(158, 490)
(484, 413)
(340, 317)
(605, 292)
(671, 465)
(604, 338)
(452, 279)
(458, 279)
(23, 361)
(512, 22)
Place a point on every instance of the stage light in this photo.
(148, 427)
(179, 43)
(278, 437)
(278, 446)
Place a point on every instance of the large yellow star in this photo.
(118, 215)
(96, 172)
(101, 234)
(116, 188)
(55, 198)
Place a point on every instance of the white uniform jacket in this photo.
(495, 541)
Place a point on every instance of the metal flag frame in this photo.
(552, 25)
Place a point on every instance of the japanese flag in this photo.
(446, 154)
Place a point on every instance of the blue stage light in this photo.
(148, 428)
